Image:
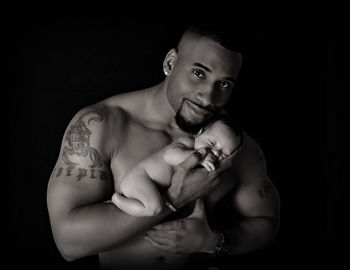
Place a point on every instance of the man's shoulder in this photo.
(248, 142)
(102, 112)
(126, 106)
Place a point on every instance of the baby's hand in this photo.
(208, 161)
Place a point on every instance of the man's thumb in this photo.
(193, 159)
(199, 209)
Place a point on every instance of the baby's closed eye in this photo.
(224, 155)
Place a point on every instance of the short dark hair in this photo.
(230, 34)
(227, 120)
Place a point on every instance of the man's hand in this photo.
(188, 235)
(189, 183)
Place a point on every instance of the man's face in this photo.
(201, 81)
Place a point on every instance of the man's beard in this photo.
(190, 127)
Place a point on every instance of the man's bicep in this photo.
(257, 199)
(72, 187)
(81, 175)
(255, 195)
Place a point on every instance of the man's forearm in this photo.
(91, 229)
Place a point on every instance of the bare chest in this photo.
(137, 143)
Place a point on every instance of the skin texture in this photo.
(105, 142)
(139, 193)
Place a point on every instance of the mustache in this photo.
(210, 108)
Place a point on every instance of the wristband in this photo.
(167, 203)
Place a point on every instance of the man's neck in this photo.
(162, 114)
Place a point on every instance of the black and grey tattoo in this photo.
(78, 138)
(81, 173)
(265, 190)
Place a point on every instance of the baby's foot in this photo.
(116, 199)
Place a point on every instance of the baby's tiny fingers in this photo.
(205, 165)
(212, 166)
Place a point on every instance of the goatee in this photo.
(187, 126)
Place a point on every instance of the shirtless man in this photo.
(105, 141)
(139, 190)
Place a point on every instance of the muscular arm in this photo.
(82, 224)
(257, 202)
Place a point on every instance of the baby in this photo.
(140, 195)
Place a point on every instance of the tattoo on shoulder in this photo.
(265, 190)
(78, 140)
(81, 173)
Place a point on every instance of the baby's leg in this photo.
(130, 206)
(142, 197)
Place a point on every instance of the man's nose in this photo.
(206, 95)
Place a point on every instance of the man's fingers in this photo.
(227, 162)
(161, 235)
(173, 225)
(161, 246)
(193, 160)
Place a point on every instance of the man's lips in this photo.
(196, 109)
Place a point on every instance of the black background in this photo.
(287, 99)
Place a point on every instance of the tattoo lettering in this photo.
(78, 138)
(69, 171)
(92, 174)
(81, 173)
(265, 190)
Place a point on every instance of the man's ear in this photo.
(169, 62)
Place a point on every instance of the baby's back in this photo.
(157, 169)
(159, 166)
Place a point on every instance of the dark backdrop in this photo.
(286, 99)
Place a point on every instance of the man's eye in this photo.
(225, 84)
(199, 73)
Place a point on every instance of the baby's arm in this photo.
(178, 151)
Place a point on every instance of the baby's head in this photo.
(220, 136)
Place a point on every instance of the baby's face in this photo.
(219, 138)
